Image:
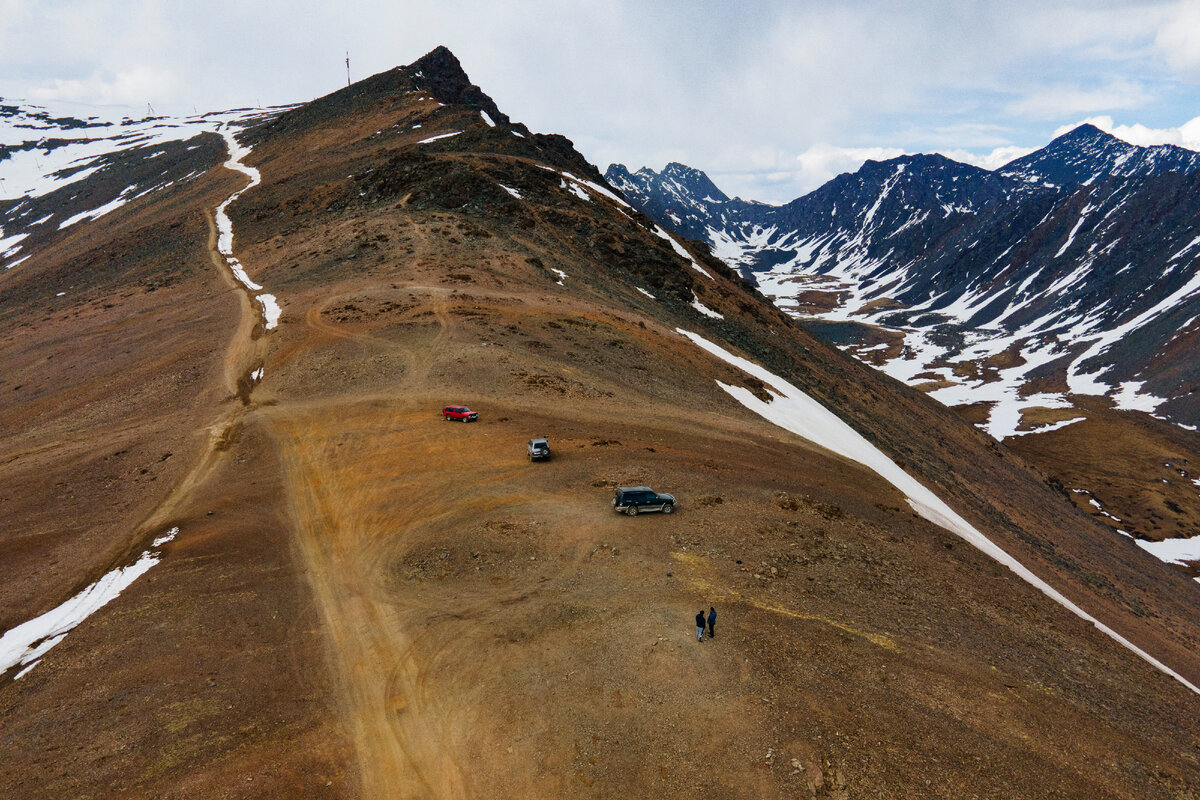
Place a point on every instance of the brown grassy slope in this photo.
(466, 174)
(1141, 471)
(116, 398)
(105, 389)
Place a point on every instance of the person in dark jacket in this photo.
(700, 626)
(712, 622)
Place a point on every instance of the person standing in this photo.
(712, 622)
(700, 626)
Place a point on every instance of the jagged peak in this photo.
(1083, 138)
(675, 168)
(440, 73)
(918, 161)
(440, 63)
(1086, 132)
(696, 181)
(1080, 155)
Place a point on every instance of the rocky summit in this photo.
(250, 549)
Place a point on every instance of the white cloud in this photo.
(821, 162)
(748, 92)
(1178, 39)
(1186, 135)
(787, 177)
(779, 176)
(132, 87)
(1053, 102)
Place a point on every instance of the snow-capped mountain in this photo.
(1072, 271)
(1088, 154)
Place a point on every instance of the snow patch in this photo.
(95, 213)
(267, 302)
(678, 248)
(439, 136)
(705, 310)
(25, 644)
(1128, 398)
(61, 156)
(1173, 551)
(9, 245)
(271, 310)
(1071, 237)
(224, 223)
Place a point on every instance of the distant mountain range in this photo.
(1070, 272)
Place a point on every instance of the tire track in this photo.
(400, 731)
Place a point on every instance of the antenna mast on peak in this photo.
(347, 67)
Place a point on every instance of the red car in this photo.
(461, 413)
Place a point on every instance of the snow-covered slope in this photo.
(1070, 272)
(60, 165)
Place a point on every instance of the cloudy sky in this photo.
(771, 98)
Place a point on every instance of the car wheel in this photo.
(668, 508)
(631, 511)
(445, 417)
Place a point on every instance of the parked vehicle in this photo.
(633, 500)
(461, 413)
(539, 449)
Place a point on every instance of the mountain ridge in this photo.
(1016, 295)
(910, 215)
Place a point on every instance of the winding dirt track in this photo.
(351, 523)
(400, 730)
(245, 353)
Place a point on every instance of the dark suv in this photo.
(539, 449)
(635, 499)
